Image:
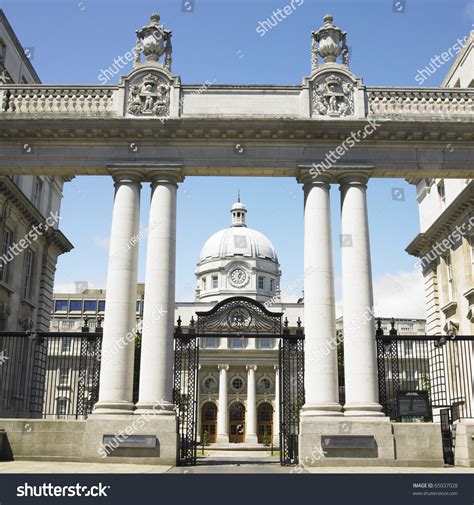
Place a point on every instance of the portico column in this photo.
(321, 378)
(360, 366)
(156, 365)
(251, 417)
(276, 413)
(222, 414)
(118, 344)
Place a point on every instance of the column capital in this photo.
(354, 178)
(312, 176)
(127, 178)
(166, 174)
(276, 368)
(223, 367)
(251, 367)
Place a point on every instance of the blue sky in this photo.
(74, 40)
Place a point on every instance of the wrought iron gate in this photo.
(447, 436)
(291, 361)
(186, 360)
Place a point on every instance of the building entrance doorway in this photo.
(265, 423)
(209, 422)
(237, 423)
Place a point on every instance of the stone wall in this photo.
(62, 440)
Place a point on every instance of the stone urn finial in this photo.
(329, 42)
(153, 41)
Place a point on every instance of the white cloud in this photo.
(400, 295)
(397, 295)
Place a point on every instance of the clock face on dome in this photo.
(238, 277)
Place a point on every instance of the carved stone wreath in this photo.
(149, 97)
(333, 96)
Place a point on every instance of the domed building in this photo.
(238, 261)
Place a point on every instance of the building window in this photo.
(37, 191)
(272, 285)
(60, 305)
(408, 347)
(209, 385)
(101, 305)
(215, 282)
(237, 343)
(264, 343)
(137, 307)
(7, 242)
(237, 384)
(75, 305)
(204, 284)
(264, 385)
(29, 271)
(261, 282)
(449, 277)
(61, 407)
(210, 342)
(66, 344)
(63, 377)
(90, 305)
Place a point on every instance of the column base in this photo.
(113, 408)
(251, 439)
(326, 409)
(159, 407)
(363, 410)
(222, 439)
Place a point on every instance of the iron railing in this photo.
(440, 365)
(49, 375)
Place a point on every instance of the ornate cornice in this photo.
(443, 226)
(21, 203)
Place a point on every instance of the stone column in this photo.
(276, 413)
(251, 417)
(222, 413)
(360, 364)
(156, 366)
(118, 344)
(321, 378)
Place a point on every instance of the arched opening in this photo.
(265, 423)
(237, 423)
(209, 422)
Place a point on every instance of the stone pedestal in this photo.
(161, 425)
(464, 452)
(312, 428)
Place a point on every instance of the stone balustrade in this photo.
(107, 100)
(416, 102)
(58, 100)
